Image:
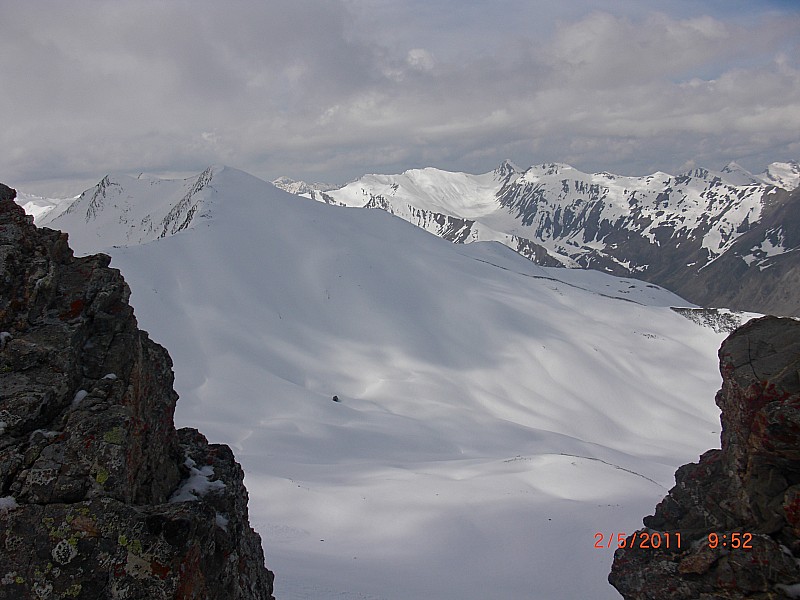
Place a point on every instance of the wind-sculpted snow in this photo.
(493, 414)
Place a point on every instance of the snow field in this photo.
(493, 416)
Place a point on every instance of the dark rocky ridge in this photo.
(89, 455)
(750, 487)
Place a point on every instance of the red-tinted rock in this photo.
(747, 494)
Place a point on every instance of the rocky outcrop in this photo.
(100, 496)
(7, 193)
(738, 510)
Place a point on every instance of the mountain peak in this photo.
(546, 169)
(162, 207)
(733, 167)
(783, 174)
(736, 174)
(507, 166)
(294, 186)
(506, 171)
(698, 172)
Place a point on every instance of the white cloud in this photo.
(605, 50)
(420, 59)
(332, 90)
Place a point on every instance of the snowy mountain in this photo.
(301, 187)
(39, 207)
(784, 175)
(449, 205)
(494, 418)
(123, 210)
(661, 228)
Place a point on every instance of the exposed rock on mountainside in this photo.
(725, 238)
(123, 210)
(761, 270)
(746, 495)
(100, 496)
(720, 320)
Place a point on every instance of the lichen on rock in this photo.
(88, 461)
(745, 495)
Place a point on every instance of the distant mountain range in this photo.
(494, 415)
(718, 238)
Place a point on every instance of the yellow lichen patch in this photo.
(136, 547)
(133, 545)
(61, 532)
(74, 590)
(115, 436)
(102, 476)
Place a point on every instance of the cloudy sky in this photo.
(329, 90)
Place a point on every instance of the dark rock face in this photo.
(747, 493)
(754, 280)
(100, 496)
(7, 193)
(759, 272)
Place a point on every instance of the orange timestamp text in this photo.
(646, 540)
(733, 540)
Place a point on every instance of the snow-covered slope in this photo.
(571, 212)
(40, 207)
(301, 187)
(123, 210)
(662, 228)
(783, 174)
(496, 420)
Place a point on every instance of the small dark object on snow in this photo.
(335, 398)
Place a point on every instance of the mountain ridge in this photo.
(492, 413)
(666, 229)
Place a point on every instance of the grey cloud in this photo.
(331, 90)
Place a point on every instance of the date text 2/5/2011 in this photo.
(641, 539)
